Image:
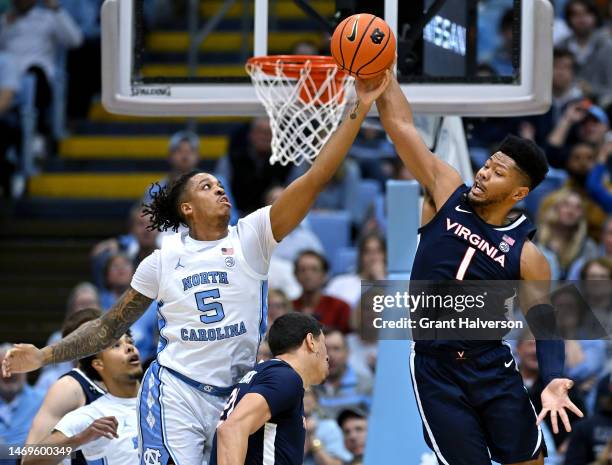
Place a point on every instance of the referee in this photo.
(263, 420)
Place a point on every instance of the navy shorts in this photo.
(475, 407)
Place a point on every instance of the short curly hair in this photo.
(164, 206)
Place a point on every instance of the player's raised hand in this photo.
(555, 400)
(368, 90)
(104, 426)
(22, 358)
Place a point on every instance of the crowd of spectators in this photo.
(573, 219)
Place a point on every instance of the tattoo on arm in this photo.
(353, 114)
(97, 335)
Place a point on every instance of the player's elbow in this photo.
(229, 431)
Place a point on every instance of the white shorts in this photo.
(175, 420)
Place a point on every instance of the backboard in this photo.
(453, 57)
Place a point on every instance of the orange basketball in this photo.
(363, 45)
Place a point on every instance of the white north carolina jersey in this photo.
(212, 299)
(118, 451)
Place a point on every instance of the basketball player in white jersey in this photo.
(210, 283)
(105, 431)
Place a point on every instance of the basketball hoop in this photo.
(304, 97)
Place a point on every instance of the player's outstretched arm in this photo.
(436, 176)
(89, 339)
(251, 413)
(293, 204)
(102, 427)
(550, 347)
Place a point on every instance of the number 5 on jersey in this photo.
(213, 311)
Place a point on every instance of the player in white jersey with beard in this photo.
(211, 287)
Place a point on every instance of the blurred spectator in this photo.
(18, 405)
(324, 444)
(584, 359)
(599, 188)
(592, 48)
(354, 425)
(139, 243)
(363, 342)
(117, 277)
(300, 239)
(84, 63)
(281, 272)
(10, 133)
(344, 387)
(183, 157)
(373, 152)
(528, 367)
(278, 305)
(605, 250)
(483, 134)
(563, 229)
(561, 30)
(247, 169)
(311, 272)
(33, 36)
(581, 122)
(580, 162)
(591, 436)
(118, 274)
(82, 296)
(371, 266)
(341, 192)
(596, 276)
(72, 390)
(501, 61)
(565, 89)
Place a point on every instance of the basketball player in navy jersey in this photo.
(470, 395)
(263, 420)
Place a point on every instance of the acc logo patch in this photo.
(504, 247)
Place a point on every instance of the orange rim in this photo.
(293, 65)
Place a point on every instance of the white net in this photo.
(305, 105)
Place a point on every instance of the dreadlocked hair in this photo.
(164, 207)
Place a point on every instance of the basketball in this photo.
(363, 45)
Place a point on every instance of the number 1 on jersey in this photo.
(467, 258)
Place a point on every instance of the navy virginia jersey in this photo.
(280, 440)
(459, 245)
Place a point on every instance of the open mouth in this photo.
(477, 188)
(224, 199)
(134, 360)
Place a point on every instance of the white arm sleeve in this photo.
(257, 240)
(146, 277)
